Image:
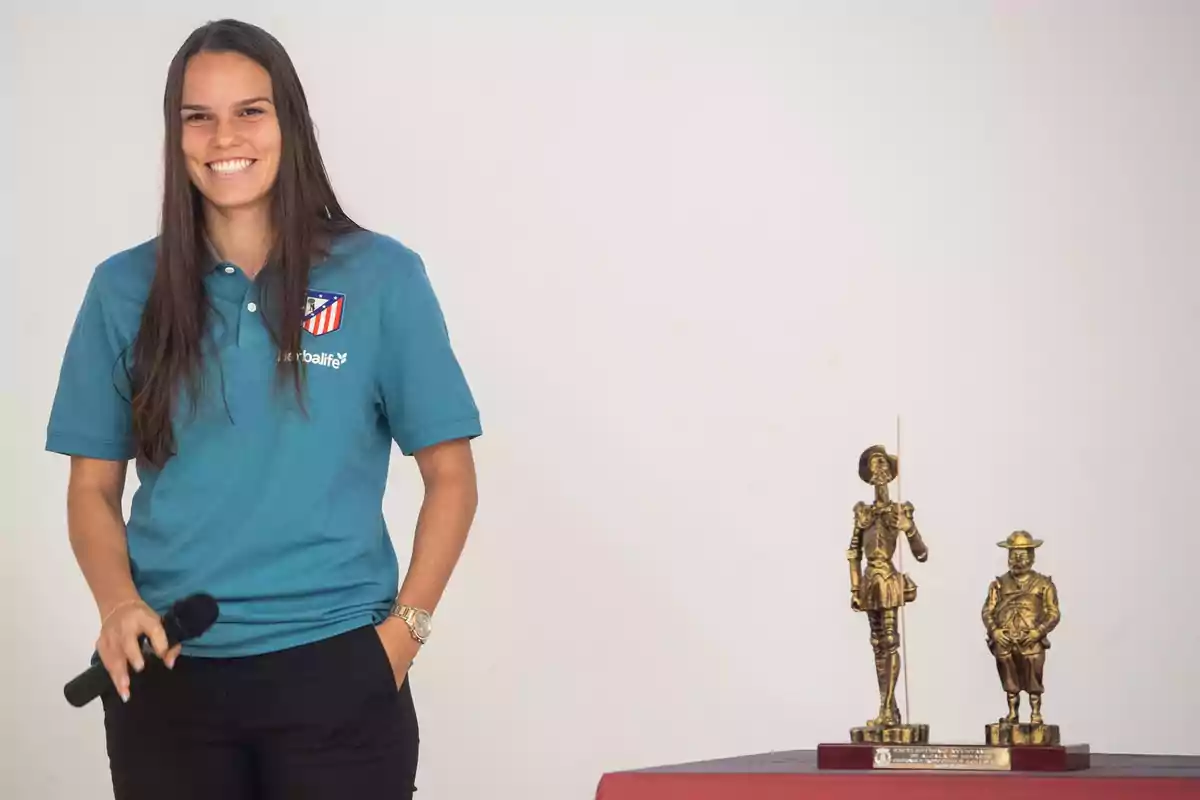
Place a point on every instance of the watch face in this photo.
(422, 624)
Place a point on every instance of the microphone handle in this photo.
(95, 680)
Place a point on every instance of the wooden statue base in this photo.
(1007, 758)
(1022, 733)
(891, 734)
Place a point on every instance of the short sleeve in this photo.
(91, 413)
(426, 396)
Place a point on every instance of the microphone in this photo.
(187, 619)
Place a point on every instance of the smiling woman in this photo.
(231, 138)
(269, 500)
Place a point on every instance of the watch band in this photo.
(417, 619)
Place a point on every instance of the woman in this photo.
(257, 359)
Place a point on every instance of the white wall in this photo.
(694, 263)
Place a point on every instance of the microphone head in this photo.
(190, 617)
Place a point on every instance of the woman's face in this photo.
(230, 132)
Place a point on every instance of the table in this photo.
(793, 775)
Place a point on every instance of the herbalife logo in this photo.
(316, 359)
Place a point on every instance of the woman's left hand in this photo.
(400, 646)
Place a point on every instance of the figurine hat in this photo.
(864, 462)
(1019, 540)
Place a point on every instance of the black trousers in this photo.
(317, 722)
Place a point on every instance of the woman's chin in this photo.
(227, 200)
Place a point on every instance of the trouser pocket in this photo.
(380, 657)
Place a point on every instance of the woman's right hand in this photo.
(119, 643)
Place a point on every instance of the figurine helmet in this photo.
(864, 462)
(1019, 540)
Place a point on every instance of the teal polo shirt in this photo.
(274, 509)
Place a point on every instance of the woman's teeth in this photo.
(230, 167)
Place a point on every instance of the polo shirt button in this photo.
(229, 270)
(251, 307)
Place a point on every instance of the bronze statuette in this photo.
(1020, 611)
(878, 589)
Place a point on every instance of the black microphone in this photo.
(187, 619)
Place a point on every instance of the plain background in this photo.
(694, 261)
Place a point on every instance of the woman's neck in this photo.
(241, 236)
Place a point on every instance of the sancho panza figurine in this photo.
(879, 589)
(1020, 611)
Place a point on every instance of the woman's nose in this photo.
(226, 133)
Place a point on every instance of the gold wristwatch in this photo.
(418, 620)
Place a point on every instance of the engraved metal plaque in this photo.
(966, 757)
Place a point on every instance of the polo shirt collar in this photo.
(215, 261)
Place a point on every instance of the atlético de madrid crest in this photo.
(323, 312)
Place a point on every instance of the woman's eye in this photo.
(252, 111)
(195, 117)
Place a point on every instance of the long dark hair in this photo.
(168, 353)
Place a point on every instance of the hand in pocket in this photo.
(400, 646)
